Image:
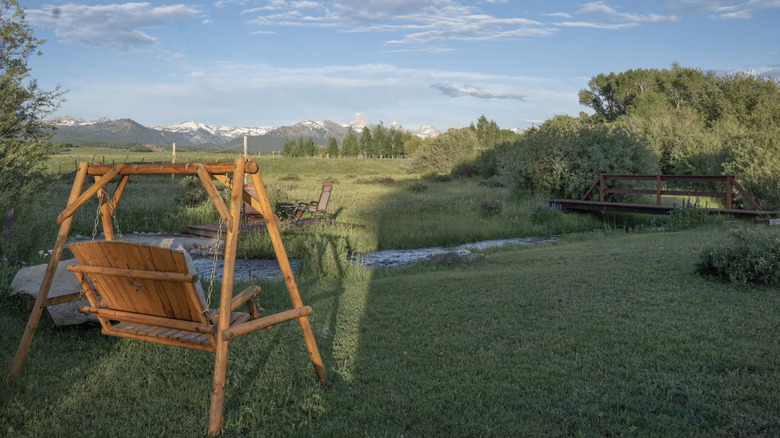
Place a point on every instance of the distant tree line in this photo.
(377, 141)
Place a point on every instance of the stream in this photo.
(384, 259)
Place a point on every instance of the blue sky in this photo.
(277, 62)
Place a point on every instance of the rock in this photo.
(28, 280)
(450, 257)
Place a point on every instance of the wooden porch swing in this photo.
(146, 293)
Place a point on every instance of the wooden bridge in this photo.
(732, 185)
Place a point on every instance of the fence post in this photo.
(601, 188)
(728, 192)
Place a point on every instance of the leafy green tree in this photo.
(289, 148)
(349, 145)
(411, 145)
(380, 143)
(308, 148)
(488, 133)
(23, 106)
(365, 142)
(565, 162)
(397, 139)
(332, 151)
(443, 152)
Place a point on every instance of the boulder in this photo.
(450, 257)
(27, 282)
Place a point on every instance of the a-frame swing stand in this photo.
(231, 215)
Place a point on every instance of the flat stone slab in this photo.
(27, 282)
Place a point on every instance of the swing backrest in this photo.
(157, 297)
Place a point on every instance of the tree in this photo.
(333, 148)
(411, 145)
(488, 133)
(365, 141)
(349, 145)
(23, 106)
(308, 148)
(380, 143)
(289, 148)
(443, 152)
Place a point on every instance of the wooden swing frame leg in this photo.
(48, 278)
(284, 263)
(231, 243)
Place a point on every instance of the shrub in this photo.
(492, 206)
(747, 256)
(376, 180)
(417, 187)
(566, 161)
(689, 215)
(290, 177)
(194, 193)
(441, 153)
(545, 214)
(755, 159)
(464, 169)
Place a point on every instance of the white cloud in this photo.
(116, 26)
(725, 9)
(602, 8)
(596, 25)
(559, 15)
(453, 90)
(772, 71)
(419, 22)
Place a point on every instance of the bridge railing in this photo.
(659, 191)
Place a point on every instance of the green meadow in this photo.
(608, 331)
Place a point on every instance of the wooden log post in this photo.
(48, 277)
(228, 275)
(106, 212)
(601, 188)
(728, 193)
(284, 264)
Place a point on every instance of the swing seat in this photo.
(147, 292)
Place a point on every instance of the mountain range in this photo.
(195, 134)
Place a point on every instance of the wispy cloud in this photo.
(415, 22)
(724, 9)
(772, 71)
(596, 25)
(453, 90)
(558, 15)
(601, 7)
(116, 26)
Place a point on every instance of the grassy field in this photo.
(593, 335)
(603, 332)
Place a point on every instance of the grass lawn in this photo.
(592, 335)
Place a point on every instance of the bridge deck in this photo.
(578, 205)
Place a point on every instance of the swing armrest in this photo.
(243, 297)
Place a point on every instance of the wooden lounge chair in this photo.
(315, 207)
(251, 213)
